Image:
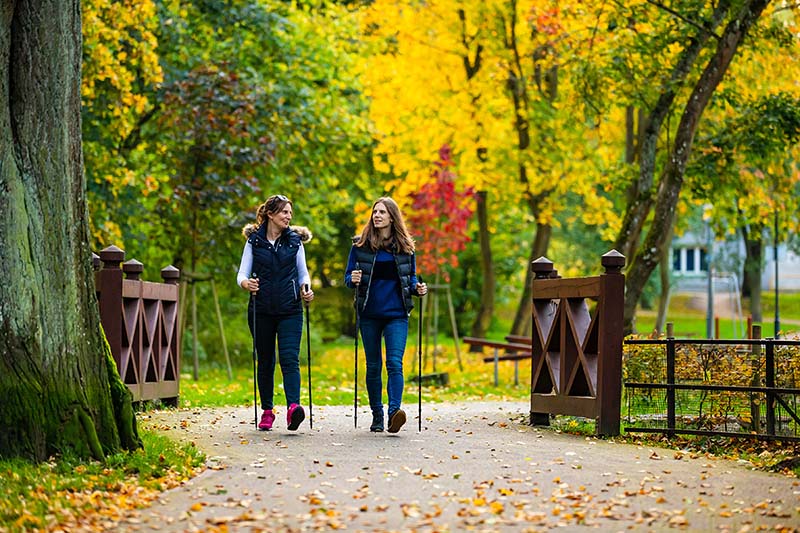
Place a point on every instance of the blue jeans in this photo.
(395, 332)
(288, 329)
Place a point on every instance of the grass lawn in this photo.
(332, 377)
(690, 321)
(66, 494)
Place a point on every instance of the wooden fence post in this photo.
(108, 284)
(609, 371)
(542, 268)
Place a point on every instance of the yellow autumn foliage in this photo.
(441, 74)
(120, 56)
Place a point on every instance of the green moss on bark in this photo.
(121, 398)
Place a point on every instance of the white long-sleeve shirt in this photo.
(246, 265)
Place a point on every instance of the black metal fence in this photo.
(734, 388)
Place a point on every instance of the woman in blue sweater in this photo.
(382, 268)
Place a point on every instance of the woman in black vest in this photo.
(273, 269)
(383, 268)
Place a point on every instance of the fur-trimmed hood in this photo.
(302, 231)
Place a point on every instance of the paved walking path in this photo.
(475, 466)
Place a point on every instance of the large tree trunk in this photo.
(753, 265)
(59, 384)
(546, 80)
(640, 194)
(645, 260)
(471, 58)
(663, 299)
(524, 315)
(486, 309)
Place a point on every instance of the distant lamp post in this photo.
(775, 258)
(709, 261)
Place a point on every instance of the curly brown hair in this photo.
(273, 204)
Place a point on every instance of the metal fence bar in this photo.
(741, 342)
(770, 383)
(709, 433)
(716, 388)
(671, 383)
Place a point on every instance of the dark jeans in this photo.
(395, 332)
(288, 329)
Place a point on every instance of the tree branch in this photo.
(686, 20)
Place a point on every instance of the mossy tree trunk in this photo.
(58, 382)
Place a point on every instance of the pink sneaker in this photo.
(294, 416)
(267, 418)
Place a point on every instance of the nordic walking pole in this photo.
(419, 362)
(255, 357)
(308, 352)
(355, 359)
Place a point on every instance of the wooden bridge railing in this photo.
(141, 322)
(576, 344)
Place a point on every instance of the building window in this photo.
(689, 260)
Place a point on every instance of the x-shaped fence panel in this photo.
(576, 344)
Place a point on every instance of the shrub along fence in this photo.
(140, 320)
(734, 388)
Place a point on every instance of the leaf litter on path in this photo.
(473, 467)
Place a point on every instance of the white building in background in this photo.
(788, 271)
(689, 259)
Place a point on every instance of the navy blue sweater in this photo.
(385, 298)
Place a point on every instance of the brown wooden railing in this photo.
(576, 344)
(141, 322)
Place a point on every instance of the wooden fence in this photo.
(141, 322)
(576, 344)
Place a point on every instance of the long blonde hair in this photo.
(399, 239)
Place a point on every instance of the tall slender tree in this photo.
(672, 176)
(60, 387)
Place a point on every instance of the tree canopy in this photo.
(580, 127)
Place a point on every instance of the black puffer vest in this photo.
(276, 270)
(365, 260)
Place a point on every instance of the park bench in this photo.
(519, 339)
(502, 351)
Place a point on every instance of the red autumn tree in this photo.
(439, 216)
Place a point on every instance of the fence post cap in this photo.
(542, 267)
(112, 256)
(95, 261)
(132, 268)
(170, 274)
(613, 261)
